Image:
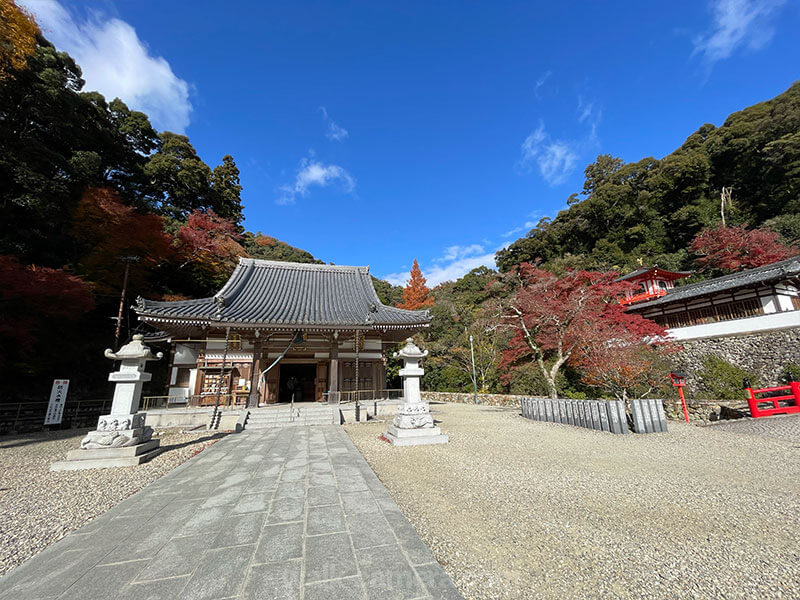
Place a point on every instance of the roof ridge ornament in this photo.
(219, 304)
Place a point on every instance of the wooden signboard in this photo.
(58, 396)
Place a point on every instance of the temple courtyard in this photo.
(508, 508)
(514, 508)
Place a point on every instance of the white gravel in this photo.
(514, 508)
(39, 507)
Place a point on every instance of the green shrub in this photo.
(720, 380)
(793, 371)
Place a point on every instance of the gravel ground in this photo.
(38, 507)
(514, 508)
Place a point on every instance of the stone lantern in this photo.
(121, 439)
(413, 424)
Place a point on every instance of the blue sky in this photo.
(373, 133)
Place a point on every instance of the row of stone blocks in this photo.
(603, 415)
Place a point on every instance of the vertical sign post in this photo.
(58, 397)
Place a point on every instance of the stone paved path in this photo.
(784, 427)
(275, 514)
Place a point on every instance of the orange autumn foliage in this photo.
(18, 33)
(416, 295)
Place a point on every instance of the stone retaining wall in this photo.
(485, 399)
(767, 354)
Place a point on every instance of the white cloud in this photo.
(116, 63)
(313, 173)
(556, 159)
(456, 262)
(335, 132)
(736, 24)
(526, 227)
(541, 81)
(459, 252)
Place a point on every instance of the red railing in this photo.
(643, 296)
(781, 405)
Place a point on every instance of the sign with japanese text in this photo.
(58, 397)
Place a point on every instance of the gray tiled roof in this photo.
(642, 270)
(273, 293)
(785, 269)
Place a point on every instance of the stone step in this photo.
(108, 457)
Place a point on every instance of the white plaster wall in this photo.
(775, 320)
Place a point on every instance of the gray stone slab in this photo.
(349, 588)
(280, 543)
(262, 484)
(94, 584)
(325, 519)
(370, 532)
(240, 529)
(438, 583)
(205, 520)
(293, 489)
(257, 502)
(219, 575)
(321, 495)
(286, 509)
(359, 503)
(154, 590)
(324, 478)
(603, 411)
(329, 557)
(293, 474)
(274, 581)
(180, 556)
(387, 574)
(224, 496)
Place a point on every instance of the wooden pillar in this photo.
(333, 371)
(255, 371)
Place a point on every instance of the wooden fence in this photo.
(603, 415)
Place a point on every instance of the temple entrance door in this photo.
(300, 379)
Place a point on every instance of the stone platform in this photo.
(415, 437)
(103, 458)
(279, 513)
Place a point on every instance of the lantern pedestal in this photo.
(121, 439)
(413, 425)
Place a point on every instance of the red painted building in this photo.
(652, 282)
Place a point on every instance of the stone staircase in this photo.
(281, 416)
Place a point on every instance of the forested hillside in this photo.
(647, 212)
(651, 209)
(86, 185)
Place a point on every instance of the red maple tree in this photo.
(416, 294)
(31, 297)
(209, 240)
(107, 229)
(561, 319)
(737, 248)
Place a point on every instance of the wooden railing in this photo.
(361, 396)
(226, 401)
(643, 296)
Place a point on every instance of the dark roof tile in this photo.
(273, 293)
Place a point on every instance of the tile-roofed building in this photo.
(323, 326)
(760, 299)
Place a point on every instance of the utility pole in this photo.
(474, 374)
(127, 260)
